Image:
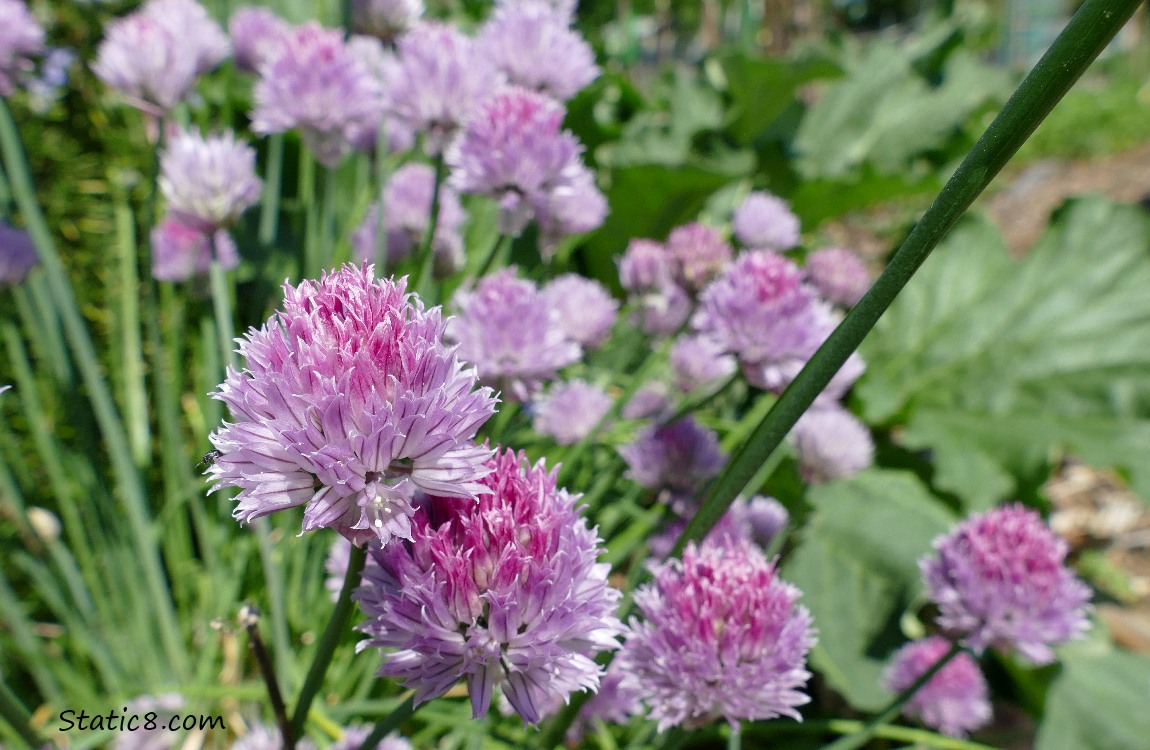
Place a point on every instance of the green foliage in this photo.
(856, 563)
(997, 367)
(1098, 702)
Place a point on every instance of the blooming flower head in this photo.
(721, 637)
(349, 403)
(515, 151)
(21, 37)
(354, 736)
(570, 411)
(257, 36)
(267, 737)
(699, 361)
(164, 707)
(760, 309)
(316, 84)
(649, 402)
(573, 207)
(586, 309)
(645, 271)
(534, 45)
(437, 81)
(211, 180)
(1000, 580)
(839, 275)
(18, 255)
(765, 221)
(407, 208)
(181, 250)
(954, 701)
(698, 253)
(831, 444)
(385, 19)
(503, 593)
(757, 520)
(154, 55)
(513, 336)
(679, 456)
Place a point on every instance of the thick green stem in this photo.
(498, 257)
(270, 200)
(424, 285)
(864, 735)
(381, 176)
(1087, 34)
(390, 723)
(336, 627)
(128, 478)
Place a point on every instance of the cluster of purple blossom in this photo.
(757, 311)
(491, 106)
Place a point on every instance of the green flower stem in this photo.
(735, 739)
(135, 392)
(270, 199)
(1087, 34)
(497, 257)
(327, 227)
(128, 480)
(390, 723)
(336, 627)
(12, 711)
(424, 285)
(222, 307)
(382, 169)
(865, 733)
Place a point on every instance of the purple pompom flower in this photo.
(503, 593)
(385, 19)
(510, 332)
(574, 207)
(1000, 580)
(699, 361)
(678, 457)
(349, 403)
(587, 311)
(570, 411)
(758, 520)
(407, 208)
(761, 310)
(18, 255)
(316, 84)
(831, 444)
(163, 708)
(354, 736)
(210, 180)
(954, 701)
(182, 249)
(533, 44)
(515, 151)
(257, 36)
(649, 402)
(765, 221)
(839, 275)
(722, 637)
(21, 38)
(154, 55)
(436, 82)
(698, 253)
(267, 737)
(660, 305)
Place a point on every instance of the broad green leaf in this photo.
(1098, 702)
(761, 89)
(999, 367)
(857, 565)
(885, 114)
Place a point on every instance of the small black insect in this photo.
(208, 460)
